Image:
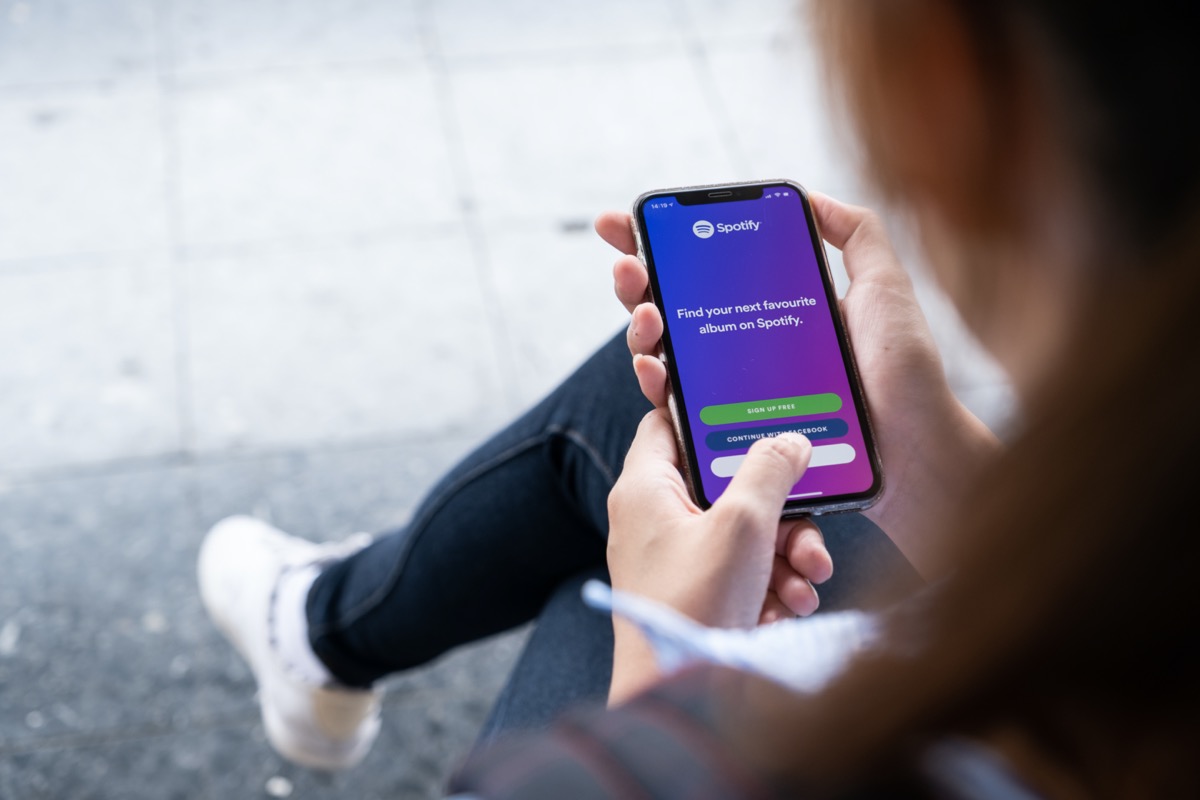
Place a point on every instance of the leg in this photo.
(867, 566)
(493, 540)
(567, 661)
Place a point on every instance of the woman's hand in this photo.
(930, 444)
(733, 566)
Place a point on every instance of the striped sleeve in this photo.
(662, 744)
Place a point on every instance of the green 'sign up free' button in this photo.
(801, 406)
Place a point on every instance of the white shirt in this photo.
(802, 654)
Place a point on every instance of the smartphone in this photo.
(754, 341)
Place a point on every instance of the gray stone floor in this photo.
(292, 258)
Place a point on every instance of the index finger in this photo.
(653, 445)
(616, 228)
(859, 234)
(839, 221)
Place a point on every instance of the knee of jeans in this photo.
(583, 472)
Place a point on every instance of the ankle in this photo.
(289, 626)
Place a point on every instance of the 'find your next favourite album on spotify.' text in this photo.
(778, 319)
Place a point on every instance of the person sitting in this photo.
(1043, 152)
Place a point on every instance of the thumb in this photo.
(762, 482)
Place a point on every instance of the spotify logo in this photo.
(703, 229)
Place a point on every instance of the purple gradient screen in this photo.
(749, 323)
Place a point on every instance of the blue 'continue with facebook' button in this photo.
(742, 438)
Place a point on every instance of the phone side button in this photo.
(826, 455)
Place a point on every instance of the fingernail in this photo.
(795, 438)
(816, 602)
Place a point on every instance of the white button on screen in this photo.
(826, 455)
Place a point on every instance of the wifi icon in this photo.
(703, 228)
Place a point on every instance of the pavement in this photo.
(292, 258)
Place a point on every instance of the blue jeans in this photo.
(507, 536)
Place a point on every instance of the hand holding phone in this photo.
(753, 339)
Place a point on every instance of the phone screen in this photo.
(753, 341)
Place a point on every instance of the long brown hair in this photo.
(1068, 634)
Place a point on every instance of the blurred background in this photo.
(292, 258)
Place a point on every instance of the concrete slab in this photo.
(326, 345)
(759, 21)
(225, 35)
(554, 287)
(83, 170)
(53, 41)
(602, 145)
(310, 153)
(468, 29)
(89, 370)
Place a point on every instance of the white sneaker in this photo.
(241, 562)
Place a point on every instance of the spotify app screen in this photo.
(752, 338)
